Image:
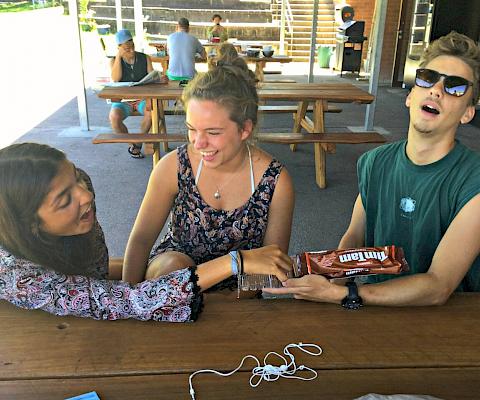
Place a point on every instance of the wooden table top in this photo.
(340, 93)
(34, 344)
(39, 350)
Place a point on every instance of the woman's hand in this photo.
(267, 260)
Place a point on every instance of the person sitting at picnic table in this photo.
(182, 49)
(422, 194)
(130, 66)
(216, 30)
(53, 255)
(223, 193)
(227, 54)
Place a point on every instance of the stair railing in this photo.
(286, 25)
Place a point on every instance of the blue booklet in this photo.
(86, 396)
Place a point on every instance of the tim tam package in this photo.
(344, 263)
(353, 262)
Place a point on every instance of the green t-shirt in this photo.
(412, 205)
(223, 35)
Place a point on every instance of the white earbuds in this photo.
(269, 372)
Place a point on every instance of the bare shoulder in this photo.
(261, 160)
(165, 172)
(471, 209)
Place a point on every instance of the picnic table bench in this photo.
(284, 138)
(317, 95)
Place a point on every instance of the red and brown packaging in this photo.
(332, 264)
(346, 263)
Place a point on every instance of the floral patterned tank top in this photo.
(205, 233)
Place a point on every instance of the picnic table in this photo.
(260, 62)
(319, 94)
(421, 350)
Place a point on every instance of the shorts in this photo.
(178, 78)
(128, 107)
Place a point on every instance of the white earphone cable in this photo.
(269, 372)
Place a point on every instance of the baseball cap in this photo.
(122, 36)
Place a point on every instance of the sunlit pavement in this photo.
(40, 68)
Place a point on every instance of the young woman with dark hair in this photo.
(53, 254)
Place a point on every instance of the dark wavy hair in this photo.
(27, 170)
(230, 85)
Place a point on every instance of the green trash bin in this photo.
(324, 54)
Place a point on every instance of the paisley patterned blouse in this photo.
(205, 233)
(174, 297)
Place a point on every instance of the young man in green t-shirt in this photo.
(422, 194)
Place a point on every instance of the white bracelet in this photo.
(233, 255)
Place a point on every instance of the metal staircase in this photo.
(299, 15)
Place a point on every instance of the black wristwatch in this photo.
(352, 301)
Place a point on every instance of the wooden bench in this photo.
(321, 142)
(172, 110)
(283, 138)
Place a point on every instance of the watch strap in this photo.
(352, 301)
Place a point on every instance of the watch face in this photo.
(352, 301)
(352, 304)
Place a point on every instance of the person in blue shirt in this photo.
(182, 50)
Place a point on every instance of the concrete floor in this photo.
(321, 216)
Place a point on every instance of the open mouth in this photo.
(208, 155)
(87, 214)
(430, 109)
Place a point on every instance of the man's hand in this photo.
(313, 288)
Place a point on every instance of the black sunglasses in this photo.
(452, 85)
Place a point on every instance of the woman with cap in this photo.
(130, 66)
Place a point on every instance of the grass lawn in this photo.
(25, 6)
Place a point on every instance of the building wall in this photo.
(364, 10)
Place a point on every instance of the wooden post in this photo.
(319, 127)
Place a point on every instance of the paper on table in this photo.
(152, 77)
(118, 84)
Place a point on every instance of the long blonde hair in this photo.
(229, 85)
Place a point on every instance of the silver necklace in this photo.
(132, 64)
(217, 195)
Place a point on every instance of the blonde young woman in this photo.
(223, 194)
